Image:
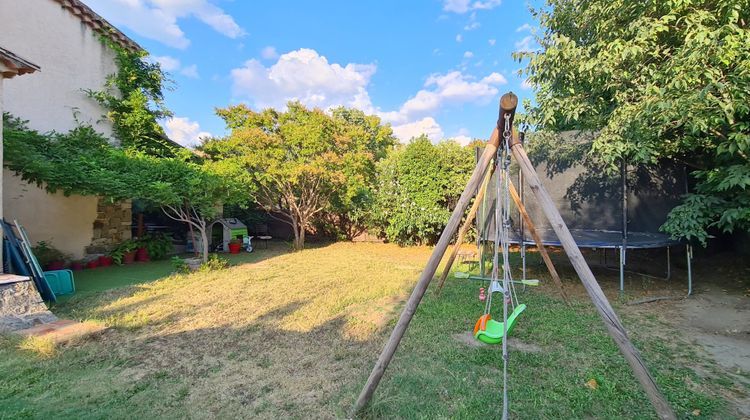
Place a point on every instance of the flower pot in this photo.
(235, 247)
(92, 264)
(76, 266)
(128, 257)
(141, 255)
(193, 263)
(55, 265)
(105, 260)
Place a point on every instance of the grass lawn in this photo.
(295, 334)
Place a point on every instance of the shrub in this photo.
(158, 245)
(418, 186)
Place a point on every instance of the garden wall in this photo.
(112, 225)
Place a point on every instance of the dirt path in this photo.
(718, 321)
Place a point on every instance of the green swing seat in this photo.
(492, 333)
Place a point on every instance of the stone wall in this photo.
(20, 304)
(112, 226)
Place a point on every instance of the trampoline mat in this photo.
(599, 239)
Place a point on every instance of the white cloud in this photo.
(471, 26)
(190, 71)
(185, 132)
(427, 126)
(463, 6)
(491, 42)
(468, 54)
(525, 45)
(158, 19)
(172, 65)
(524, 27)
(166, 62)
(444, 90)
(459, 38)
(306, 76)
(269, 53)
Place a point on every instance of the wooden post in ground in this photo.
(463, 230)
(611, 321)
(537, 240)
(508, 104)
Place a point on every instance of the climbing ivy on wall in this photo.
(134, 99)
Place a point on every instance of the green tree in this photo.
(304, 161)
(83, 162)
(657, 80)
(134, 99)
(418, 186)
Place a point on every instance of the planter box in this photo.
(128, 257)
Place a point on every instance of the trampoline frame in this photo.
(622, 246)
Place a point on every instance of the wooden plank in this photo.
(463, 230)
(424, 279)
(611, 321)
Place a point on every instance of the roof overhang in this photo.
(99, 24)
(12, 65)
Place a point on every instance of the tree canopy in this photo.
(656, 80)
(418, 186)
(304, 161)
(83, 162)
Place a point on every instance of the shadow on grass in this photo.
(273, 364)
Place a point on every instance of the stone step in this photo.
(63, 330)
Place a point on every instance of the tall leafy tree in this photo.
(418, 186)
(304, 161)
(657, 80)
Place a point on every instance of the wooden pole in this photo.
(611, 321)
(537, 240)
(508, 104)
(463, 230)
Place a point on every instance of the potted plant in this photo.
(76, 265)
(125, 252)
(235, 245)
(141, 254)
(105, 260)
(92, 263)
(48, 256)
(158, 246)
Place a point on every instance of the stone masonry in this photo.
(112, 226)
(20, 304)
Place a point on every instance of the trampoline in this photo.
(622, 211)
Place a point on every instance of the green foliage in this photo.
(83, 162)
(306, 163)
(124, 247)
(418, 186)
(158, 245)
(45, 253)
(179, 265)
(214, 263)
(135, 102)
(656, 80)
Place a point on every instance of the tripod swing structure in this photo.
(486, 329)
(616, 330)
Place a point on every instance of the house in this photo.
(64, 39)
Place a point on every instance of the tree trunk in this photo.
(204, 243)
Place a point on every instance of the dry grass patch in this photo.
(280, 336)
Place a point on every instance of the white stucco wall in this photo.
(72, 59)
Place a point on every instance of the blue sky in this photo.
(434, 67)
